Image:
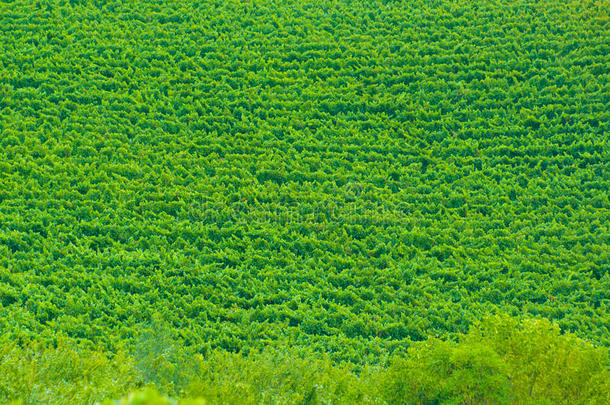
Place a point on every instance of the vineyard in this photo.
(344, 178)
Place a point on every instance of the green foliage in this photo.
(500, 361)
(338, 177)
(347, 176)
(36, 374)
(160, 361)
(546, 366)
(442, 372)
(150, 396)
(275, 378)
(146, 397)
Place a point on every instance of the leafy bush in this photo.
(37, 374)
(502, 360)
(276, 378)
(159, 360)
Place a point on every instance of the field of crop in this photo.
(345, 177)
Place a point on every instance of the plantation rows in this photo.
(344, 176)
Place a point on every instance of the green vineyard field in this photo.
(340, 177)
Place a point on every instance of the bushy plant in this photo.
(160, 360)
(62, 374)
(276, 378)
(501, 361)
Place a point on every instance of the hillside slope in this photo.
(343, 176)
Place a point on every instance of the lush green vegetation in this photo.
(504, 361)
(344, 178)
